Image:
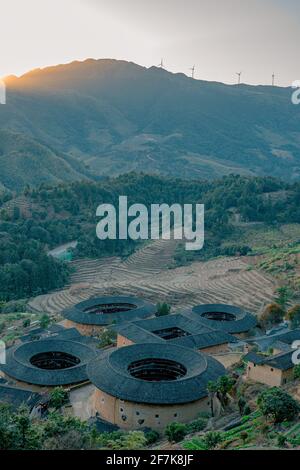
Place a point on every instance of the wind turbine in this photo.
(193, 71)
(161, 64)
(239, 77)
(273, 79)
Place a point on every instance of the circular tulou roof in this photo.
(111, 373)
(107, 310)
(20, 362)
(234, 320)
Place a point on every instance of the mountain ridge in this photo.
(110, 117)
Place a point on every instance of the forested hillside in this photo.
(52, 215)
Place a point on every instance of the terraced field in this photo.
(148, 273)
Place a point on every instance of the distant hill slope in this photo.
(117, 116)
(23, 161)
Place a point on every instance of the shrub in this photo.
(281, 440)
(151, 436)
(197, 425)
(278, 405)
(58, 397)
(272, 315)
(163, 309)
(297, 371)
(212, 439)
(293, 315)
(246, 410)
(175, 432)
(107, 338)
(244, 436)
(14, 306)
(44, 321)
(26, 323)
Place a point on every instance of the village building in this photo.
(278, 342)
(15, 397)
(47, 363)
(175, 329)
(151, 385)
(275, 370)
(91, 316)
(227, 318)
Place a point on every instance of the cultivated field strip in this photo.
(147, 273)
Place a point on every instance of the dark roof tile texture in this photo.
(77, 313)
(282, 361)
(109, 372)
(243, 321)
(19, 367)
(199, 336)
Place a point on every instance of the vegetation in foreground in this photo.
(273, 424)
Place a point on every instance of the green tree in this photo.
(212, 439)
(278, 405)
(293, 315)
(281, 440)
(27, 434)
(197, 425)
(272, 315)
(297, 371)
(58, 398)
(44, 321)
(163, 309)
(212, 389)
(241, 404)
(107, 338)
(152, 436)
(66, 432)
(284, 294)
(244, 436)
(175, 432)
(133, 440)
(26, 323)
(246, 410)
(8, 437)
(225, 384)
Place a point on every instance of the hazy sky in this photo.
(221, 37)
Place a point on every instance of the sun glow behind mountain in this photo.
(221, 37)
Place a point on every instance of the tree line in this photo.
(67, 212)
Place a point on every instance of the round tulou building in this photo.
(227, 318)
(91, 316)
(151, 385)
(48, 363)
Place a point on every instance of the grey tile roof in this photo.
(255, 358)
(267, 341)
(37, 333)
(205, 340)
(17, 396)
(242, 322)
(282, 361)
(19, 367)
(199, 336)
(78, 313)
(109, 372)
(281, 346)
(102, 425)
